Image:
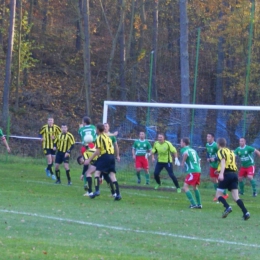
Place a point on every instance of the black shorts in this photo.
(106, 163)
(230, 181)
(60, 158)
(47, 151)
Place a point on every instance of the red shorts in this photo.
(141, 162)
(244, 172)
(193, 179)
(83, 148)
(212, 173)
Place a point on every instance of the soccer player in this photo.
(141, 150)
(113, 138)
(228, 179)
(48, 133)
(63, 143)
(247, 170)
(212, 158)
(4, 141)
(191, 161)
(105, 162)
(166, 152)
(90, 169)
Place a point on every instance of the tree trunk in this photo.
(155, 48)
(30, 14)
(143, 20)
(18, 74)
(45, 16)
(122, 52)
(8, 64)
(130, 40)
(87, 69)
(185, 74)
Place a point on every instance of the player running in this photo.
(212, 158)
(141, 150)
(191, 161)
(247, 170)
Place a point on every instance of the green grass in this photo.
(40, 220)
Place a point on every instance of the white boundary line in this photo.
(164, 234)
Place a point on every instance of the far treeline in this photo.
(66, 57)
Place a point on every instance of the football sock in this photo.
(49, 167)
(157, 179)
(223, 201)
(112, 189)
(58, 174)
(147, 177)
(116, 187)
(225, 192)
(215, 186)
(97, 183)
(138, 175)
(197, 195)
(68, 175)
(84, 179)
(242, 206)
(190, 197)
(253, 184)
(107, 178)
(241, 186)
(89, 180)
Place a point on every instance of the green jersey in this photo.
(1, 133)
(164, 151)
(212, 150)
(141, 147)
(192, 162)
(246, 155)
(87, 130)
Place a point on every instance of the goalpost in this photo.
(230, 122)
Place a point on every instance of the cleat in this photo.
(192, 206)
(86, 187)
(199, 206)
(95, 194)
(53, 177)
(157, 186)
(87, 194)
(246, 216)
(226, 212)
(147, 183)
(69, 183)
(241, 193)
(215, 199)
(118, 197)
(114, 195)
(178, 190)
(254, 194)
(48, 174)
(225, 196)
(58, 182)
(139, 181)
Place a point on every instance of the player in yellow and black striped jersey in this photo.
(48, 133)
(63, 143)
(228, 178)
(90, 169)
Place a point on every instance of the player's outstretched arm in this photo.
(257, 152)
(6, 145)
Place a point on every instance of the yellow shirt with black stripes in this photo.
(88, 153)
(49, 133)
(230, 159)
(64, 142)
(104, 143)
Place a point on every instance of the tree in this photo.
(8, 63)
(185, 74)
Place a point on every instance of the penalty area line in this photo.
(164, 234)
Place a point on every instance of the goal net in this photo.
(230, 122)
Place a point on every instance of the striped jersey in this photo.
(141, 147)
(246, 155)
(104, 143)
(49, 133)
(64, 142)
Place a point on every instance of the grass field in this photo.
(41, 220)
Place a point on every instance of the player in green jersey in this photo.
(165, 153)
(247, 170)
(191, 161)
(86, 129)
(141, 149)
(212, 158)
(4, 141)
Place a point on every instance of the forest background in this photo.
(69, 56)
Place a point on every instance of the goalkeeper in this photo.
(166, 152)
